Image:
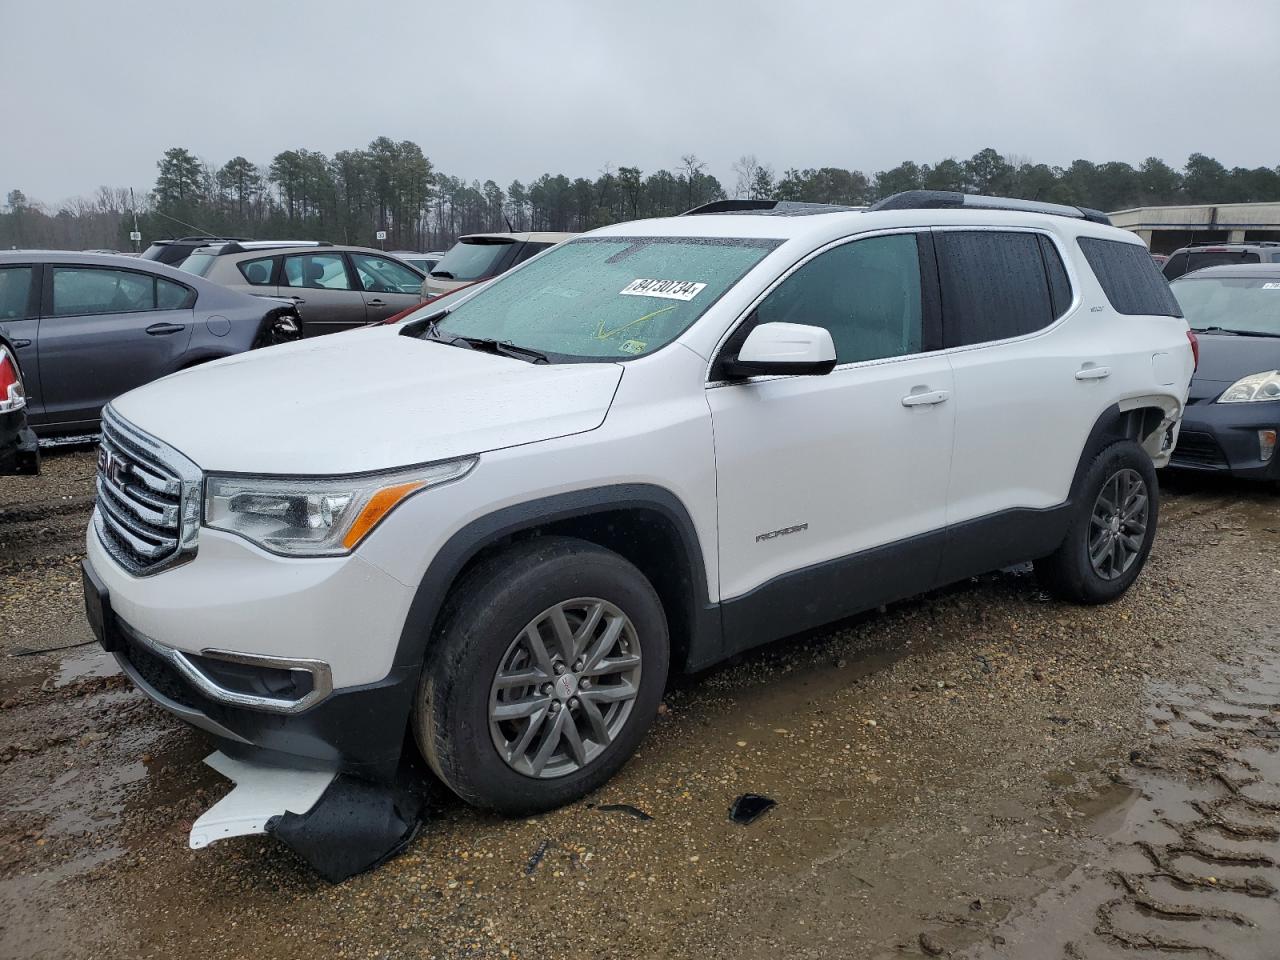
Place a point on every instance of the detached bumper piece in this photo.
(339, 825)
(19, 449)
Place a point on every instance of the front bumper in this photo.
(337, 622)
(1223, 437)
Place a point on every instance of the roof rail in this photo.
(246, 246)
(780, 208)
(951, 200)
(1238, 243)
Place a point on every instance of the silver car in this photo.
(89, 327)
(335, 288)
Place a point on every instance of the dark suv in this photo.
(1201, 255)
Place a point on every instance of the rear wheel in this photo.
(1112, 529)
(545, 676)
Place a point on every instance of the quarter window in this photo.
(994, 285)
(866, 293)
(318, 271)
(79, 291)
(380, 275)
(15, 293)
(257, 273)
(1129, 277)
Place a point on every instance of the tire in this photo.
(1070, 572)
(485, 629)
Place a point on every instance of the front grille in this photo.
(148, 499)
(1198, 450)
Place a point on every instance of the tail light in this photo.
(1195, 350)
(12, 395)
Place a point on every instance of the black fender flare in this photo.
(421, 621)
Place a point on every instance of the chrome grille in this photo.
(148, 514)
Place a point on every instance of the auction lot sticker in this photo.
(667, 289)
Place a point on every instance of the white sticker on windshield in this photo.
(667, 289)
(1271, 286)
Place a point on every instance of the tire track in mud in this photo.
(37, 535)
(1195, 869)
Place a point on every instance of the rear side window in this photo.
(994, 285)
(256, 272)
(1132, 282)
(79, 291)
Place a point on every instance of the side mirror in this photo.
(779, 349)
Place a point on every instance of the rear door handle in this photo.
(1091, 372)
(297, 300)
(164, 329)
(376, 303)
(928, 399)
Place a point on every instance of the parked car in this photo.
(480, 256)
(419, 261)
(1159, 259)
(1200, 255)
(88, 327)
(658, 445)
(174, 252)
(335, 288)
(427, 308)
(19, 452)
(1233, 412)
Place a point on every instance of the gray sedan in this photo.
(89, 327)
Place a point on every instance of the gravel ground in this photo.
(978, 773)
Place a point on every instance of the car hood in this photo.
(365, 400)
(1225, 358)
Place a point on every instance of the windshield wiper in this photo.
(1236, 333)
(442, 274)
(503, 348)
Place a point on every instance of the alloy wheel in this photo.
(1118, 525)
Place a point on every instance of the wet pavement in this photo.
(978, 773)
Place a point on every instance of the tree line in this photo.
(393, 186)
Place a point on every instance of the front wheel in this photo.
(545, 676)
(1111, 531)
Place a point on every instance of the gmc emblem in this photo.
(111, 467)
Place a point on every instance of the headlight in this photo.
(1256, 386)
(324, 516)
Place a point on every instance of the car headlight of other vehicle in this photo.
(316, 517)
(1256, 386)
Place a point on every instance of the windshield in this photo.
(1245, 304)
(472, 259)
(608, 297)
(198, 263)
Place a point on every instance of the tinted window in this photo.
(380, 275)
(1059, 285)
(472, 259)
(15, 293)
(1198, 260)
(994, 285)
(867, 293)
(256, 272)
(322, 271)
(533, 249)
(1175, 266)
(85, 290)
(1132, 282)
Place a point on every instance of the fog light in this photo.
(1266, 444)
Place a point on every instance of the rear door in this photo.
(389, 287)
(19, 322)
(103, 332)
(325, 290)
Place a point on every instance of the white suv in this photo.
(654, 446)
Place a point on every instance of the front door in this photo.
(103, 332)
(322, 287)
(832, 489)
(20, 322)
(389, 287)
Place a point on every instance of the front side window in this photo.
(604, 298)
(994, 285)
(317, 271)
(473, 259)
(89, 290)
(1133, 284)
(866, 293)
(380, 275)
(1236, 304)
(15, 292)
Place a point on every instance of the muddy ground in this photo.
(979, 773)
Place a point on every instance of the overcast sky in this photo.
(96, 90)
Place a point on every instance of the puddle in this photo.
(89, 661)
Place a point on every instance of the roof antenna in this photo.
(510, 228)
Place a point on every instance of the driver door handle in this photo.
(375, 303)
(297, 300)
(19, 344)
(164, 329)
(1091, 372)
(931, 398)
